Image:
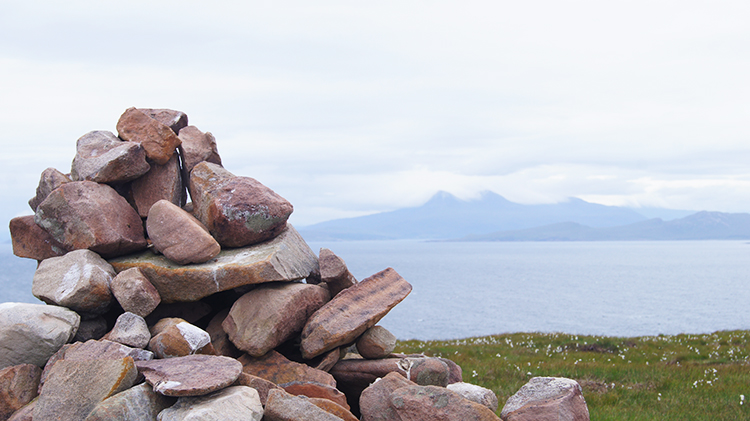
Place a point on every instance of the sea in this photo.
(468, 289)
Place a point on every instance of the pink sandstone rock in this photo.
(374, 402)
(49, 181)
(376, 342)
(175, 120)
(547, 399)
(134, 292)
(159, 141)
(161, 182)
(18, 386)
(31, 241)
(278, 369)
(197, 147)
(178, 235)
(192, 375)
(417, 403)
(178, 338)
(104, 158)
(334, 273)
(282, 406)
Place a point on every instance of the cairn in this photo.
(215, 309)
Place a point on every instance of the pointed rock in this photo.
(417, 403)
(376, 342)
(178, 235)
(547, 398)
(478, 394)
(178, 338)
(139, 403)
(334, 273)
(159, 141)
(238, 211)
(31, 241)
(32, 333)
(278, 369)
(134, 292)
(282, 406)
(49, 181)
(78, 280)
(173, 119)
(270, 314)
(353, 311)
(87, 215)
(285, 258)
(162, 182)
(230, 404)
(192, 375)
(18, 387)
(130, 330)
(197, 147)
(103, 157)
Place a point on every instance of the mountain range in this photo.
(494, 218)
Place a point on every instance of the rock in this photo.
(263, 386)
(374, 402)
(49, 180)
(334, 273)
(162, 182)
(316, 390)
(426, 371)
(87, 215)
(91, 329)
(271, 314)
(476, 394)
(74, 388)
(32, 333)
(130, 330)
(18, 387)
(547, 398)
(139, 403)
(419, 403)
(134, 292)
(178, 235)
(192, 375)
(455, 373)
(157, 139)
(326, 361)
(238, 211)
(353, 311)
(31, 241)
(197, 147)
(285, 258)
(230, 404)
(24, 414)
(333, 408)
(278, 369)
(173, 119)
(78, 280)
(103, 157)
(376, 342)
(282, 406)
(178, 338)
(220, 339)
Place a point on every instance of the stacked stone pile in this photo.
(216, 309)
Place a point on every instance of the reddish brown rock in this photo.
(162, 182)
(285, 258)
(178, 235)
(78, 280)
(327, 360)
(74, 388)
(334, 273)
(220, 339)
(173, 119)
(197, 147)
(103, 157)
(547, 399)
(270, 314)
(376, 342)
(192, 375)
(18, 387)
(31, 241)
(282, 406)
(374, 402)
(49, 180)
(353, 311)
(333, 408)
(87, 215)
(276, 368)
(178, 338)
(263, 386)
(157, 139)
(316, 390)
(417, 403)
(238, 211)
(134, 292)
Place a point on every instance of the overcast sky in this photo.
(347, 108)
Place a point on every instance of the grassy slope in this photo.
(682, 377)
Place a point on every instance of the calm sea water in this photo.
(471, 289)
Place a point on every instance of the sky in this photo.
(349, 108)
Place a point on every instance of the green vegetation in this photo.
(681, 377)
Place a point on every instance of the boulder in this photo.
(49, 180)
(139, 403)
(159, 141)
(230, 404)
(78, 280)
(352, 311)
(197, 147)
(173, 119)
(376, 342)
(478, 394)
(134, 292)
(192, 375)
(104, 158)
(32, 333)
(162, 182)
(374, 402)
(285, 258)
(417, 403)
(18, 387)
(31, 241)
(178, 235)
(238, 211)
(547, 399)
(271, 314)
(74, 388)
(88, 215)
(278, 369)
(334, 273)
(282, 406)
(178, 338)
(130, 330)
(263, 386)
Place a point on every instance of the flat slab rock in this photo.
(284, 258)
(192, 375)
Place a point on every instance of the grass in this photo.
(680, 377)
